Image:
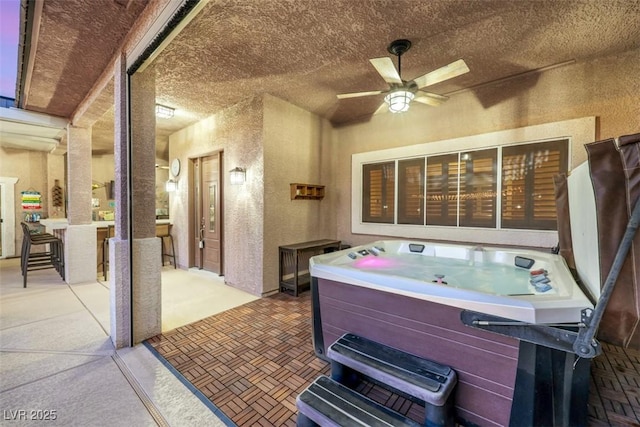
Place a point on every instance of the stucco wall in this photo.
(607, 88)
(294, 152)
(30, 167)
(237, 131)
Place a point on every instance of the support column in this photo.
(119, 272)
(146, 268)
(135, 304)
(80, 249)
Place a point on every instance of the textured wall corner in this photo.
(147, 289)
(294, 151)
(238, 132)
(143, 158)
(119, 292)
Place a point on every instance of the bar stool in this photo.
(33, 236)
(53, 257)
(163, 231)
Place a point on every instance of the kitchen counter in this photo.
(62, 223)
(58, 227)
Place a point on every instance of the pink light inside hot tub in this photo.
(370, 261)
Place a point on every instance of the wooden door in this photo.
(210, 233)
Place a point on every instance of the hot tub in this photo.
(470, 277)
(411, 295)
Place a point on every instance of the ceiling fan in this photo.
(402, 92)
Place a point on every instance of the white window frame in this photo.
(577, 131)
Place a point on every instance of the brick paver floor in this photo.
(252, 361)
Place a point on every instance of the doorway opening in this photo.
(7, 217)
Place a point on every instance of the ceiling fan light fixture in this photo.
(399, 100)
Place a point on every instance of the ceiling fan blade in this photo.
(430, 98)
(450, 71)
(386, 69)
(383, 108)
(358, 94)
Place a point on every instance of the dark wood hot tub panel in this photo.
(486, 363)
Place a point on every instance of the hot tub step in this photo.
(328, 403)
(420, 378)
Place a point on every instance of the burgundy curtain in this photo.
(615, 174)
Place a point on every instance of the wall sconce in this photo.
(237, 176)
(164, 112)
(171, 185)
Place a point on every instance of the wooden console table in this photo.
(293, 274)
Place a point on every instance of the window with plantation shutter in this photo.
(442, 190)
(478, 181)
(495, 187)
(461, 189)
(411, 191)
(378, 192)
(528, 197)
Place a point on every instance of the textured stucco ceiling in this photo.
(75, 42)
(308, 51)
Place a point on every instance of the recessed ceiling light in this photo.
(164, 112)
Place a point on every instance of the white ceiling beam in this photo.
(30, 117)
(27, 142)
